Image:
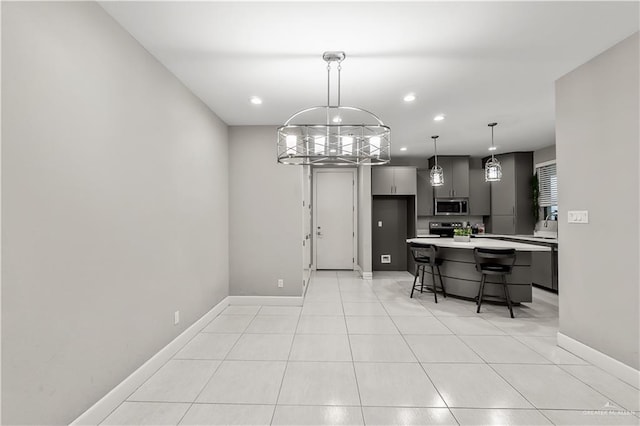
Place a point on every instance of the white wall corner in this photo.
(101, 409)
(622, 371)
(364, 275)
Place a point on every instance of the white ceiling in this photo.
(476, 62)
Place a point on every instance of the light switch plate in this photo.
(578, 216)
(385, 258)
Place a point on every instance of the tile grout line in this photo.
(419, 363)
(218, 366)
(601, 393)
(159, 368)
(286, 365)
(353, 363)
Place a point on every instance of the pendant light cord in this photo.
(492, 125)
(435, 147)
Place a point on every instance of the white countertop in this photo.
(531, 238)
(479, 242)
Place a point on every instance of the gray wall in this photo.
(544, 154)
(364, 219)
(265, 210)
(597, 158)
(114, 206)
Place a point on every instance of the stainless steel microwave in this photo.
(450, 207)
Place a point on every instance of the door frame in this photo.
(354, 215)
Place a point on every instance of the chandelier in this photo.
(436, 176)
(333, 135)
(492, 169)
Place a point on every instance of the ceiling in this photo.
(475, 62)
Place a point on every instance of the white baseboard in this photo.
(364, 275)
(266, 300)
(101, 409)
(599, 359)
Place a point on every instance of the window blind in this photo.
(547, 185)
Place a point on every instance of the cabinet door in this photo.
(479, 194)
(404, 179)
(503, 193)
(503, 224)
(381, 180)
(460, 177)
(541, 269)
(424, 194)
(446, 190)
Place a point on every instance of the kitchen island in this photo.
(459, 267)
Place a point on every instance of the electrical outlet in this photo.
(176, 318)
(379, 224)
(578, 216)
(385, 258)
(280, 283)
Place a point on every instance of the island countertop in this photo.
(479, 242)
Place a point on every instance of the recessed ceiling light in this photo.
(410, 97)
(337, 119)
(438, 117)
(492, 148)
(404, 148)
(255, 100)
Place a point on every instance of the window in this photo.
(548, 187)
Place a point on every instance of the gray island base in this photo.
(461, 278)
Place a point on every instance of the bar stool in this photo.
(496, 262)
(426, 255)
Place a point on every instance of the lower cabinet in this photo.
(542, 270)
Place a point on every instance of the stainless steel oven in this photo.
(449, 207)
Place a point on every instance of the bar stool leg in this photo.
(481, 292)
(415, 279)
(505, 286)
(444, 291)
(433, 281)
(422, 281)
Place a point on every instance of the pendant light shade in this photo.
(436, 176)
(492, 169)
(333, 134)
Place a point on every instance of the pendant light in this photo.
(492, 169)
(436, 176)
(334, 135)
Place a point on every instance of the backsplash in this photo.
(422, 226)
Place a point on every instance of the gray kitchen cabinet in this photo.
(503, 224)
(393, 180)
(541, 269)
(456, 177)
(479, 194)
(511, 205)
(425, 194)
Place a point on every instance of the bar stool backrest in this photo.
(423, 253)
(497, 261)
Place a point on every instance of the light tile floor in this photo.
(362, 352)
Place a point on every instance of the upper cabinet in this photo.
(425, 194)
(479, 193)
(511, 204)
(456, 177)
(393, 180)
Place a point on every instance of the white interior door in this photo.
(334, 217)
